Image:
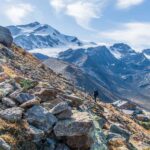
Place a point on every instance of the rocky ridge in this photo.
(40, 109)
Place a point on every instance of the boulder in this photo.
(4, 145)
(117, 129)
(79, 125)
(30, 103)
(24, 97)
(35, 133)
(8, 102)
(40, 118)
(5, 37)
(46, 94)
(12, 114)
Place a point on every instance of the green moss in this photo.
(27, 84)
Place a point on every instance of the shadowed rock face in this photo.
(5, 36)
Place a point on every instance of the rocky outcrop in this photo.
(12, 114)
(80, 124)
(40, 118)
(5, 36)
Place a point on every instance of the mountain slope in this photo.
(126, 76)
(80, 79)
(39, 109)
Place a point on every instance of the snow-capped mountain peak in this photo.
(39, 36)
(120, 50)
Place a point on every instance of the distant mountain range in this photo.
(39, 36)
(118, 68)
(118, 71)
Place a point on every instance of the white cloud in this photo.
(17, 12)
(136, 34)
(83, 11)
(123, 4)
(58, 4)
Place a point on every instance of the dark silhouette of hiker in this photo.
(96, 95)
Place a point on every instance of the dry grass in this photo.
(13, 133)
(9, 71)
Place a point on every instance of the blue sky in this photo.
(102, 21)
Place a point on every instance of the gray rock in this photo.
(5, 89)
(4, 145)
(62, 147)
(37, 134)
(8, 102)
(62, 110)
(80, 124)
(116, 129)
(12, 114)
(40, 118)
(5, 37)
(24, 97)
(66, 114)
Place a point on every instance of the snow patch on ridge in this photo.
(116, 54)
(147, 56)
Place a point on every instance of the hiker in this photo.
(96, 95)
